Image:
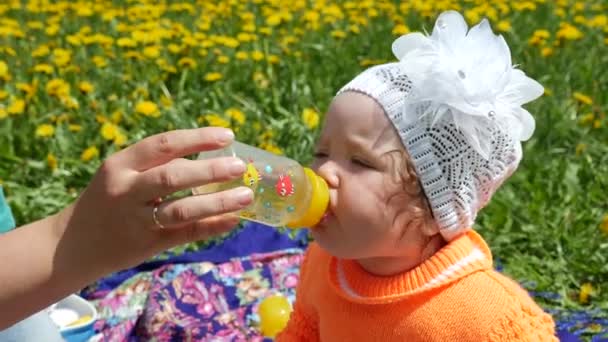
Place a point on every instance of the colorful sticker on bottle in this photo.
(251, 177)
(284, 186)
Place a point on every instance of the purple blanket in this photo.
(213, 294)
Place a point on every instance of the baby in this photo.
(411, 152)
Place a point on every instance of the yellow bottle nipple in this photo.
(319, 200)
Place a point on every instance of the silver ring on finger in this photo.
(156, 203)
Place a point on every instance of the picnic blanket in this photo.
(213, 294)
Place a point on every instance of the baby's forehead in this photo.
(358, 118)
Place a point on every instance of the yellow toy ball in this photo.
(274, 313)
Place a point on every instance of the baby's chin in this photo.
(334, 247)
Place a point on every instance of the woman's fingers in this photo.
(195, 208)
(199, 230)
(164, 147)
(181, 174)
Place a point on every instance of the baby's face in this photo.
(358, 155)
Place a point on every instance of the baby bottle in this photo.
(285, 193)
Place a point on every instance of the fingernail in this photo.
(226, 136)
(244, 196)
(237, 167)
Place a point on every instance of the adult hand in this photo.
(113, 225)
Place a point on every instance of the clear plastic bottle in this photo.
(285, 193)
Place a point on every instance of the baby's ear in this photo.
(429, 228)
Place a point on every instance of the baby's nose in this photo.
(329, 173)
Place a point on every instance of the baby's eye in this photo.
(320, 155)
(362, 163)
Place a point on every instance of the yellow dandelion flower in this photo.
(62, 57)
(272, 148)
(51, 161)
(99, 61)
(274, 20)
(44, 68)
(273, 59)
(216, 120)
(310, 117)
(604, 224)
(57, 87)
(45, 131)
(472, 15)
(582, 98)
(213, 76)
(597, 123)
(120, 139)
(568, 32)
(249, 27)
(504, 26)
(116, 117)
(89, 153)
(41, 51)
(74, 128)
(257, 55)
(109, 131)
(539, 37)
(546, 51)
(585, 291)
(400, 29)
(4, 73)
(3, 113)
(3, 94)
(267, 31)
(187, 62)
(85, 87)
(231, 42)
(69, 102)
(587, 119)
(245, 37)
(152, 51)
(16, 107)
(166, 101)
(52, 30)
(354, 29)
(236, 115)
(174, 48)
(242, 55)
(126, 42)
(339, 34)
(223, 59)
(147, 108)
(28, 89)
(523, 6)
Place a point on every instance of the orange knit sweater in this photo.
(453, 296)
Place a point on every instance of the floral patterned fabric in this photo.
(179, 300)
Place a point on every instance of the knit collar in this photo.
(462, 256)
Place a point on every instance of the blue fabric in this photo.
(7, 222)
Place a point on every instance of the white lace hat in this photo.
(455, 100)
